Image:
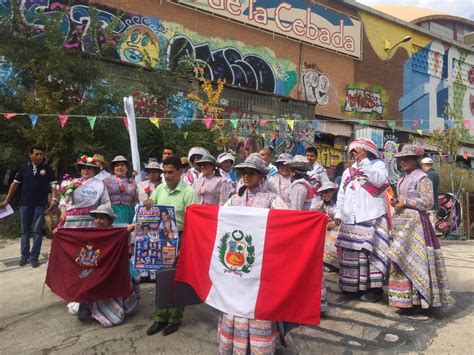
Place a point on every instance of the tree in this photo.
(450, 139)
(48, 79)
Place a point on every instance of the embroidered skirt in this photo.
(331, 258)
(363, 255)
(418, 275)
(125, 214)
(79, 218)
(237, 334)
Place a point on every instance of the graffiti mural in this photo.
(360, 100)
(329, 156)
(315, 87)
(148, 41)
(438, 87)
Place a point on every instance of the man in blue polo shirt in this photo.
(35, 179)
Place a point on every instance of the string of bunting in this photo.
(179, 121)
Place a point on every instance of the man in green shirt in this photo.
(177, 193)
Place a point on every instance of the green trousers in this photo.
(169, 315)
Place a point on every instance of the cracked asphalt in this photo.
(36, 323)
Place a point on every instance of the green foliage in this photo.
(49, 79)
(449, 140)
(448, 171)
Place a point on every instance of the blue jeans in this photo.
(32, 220)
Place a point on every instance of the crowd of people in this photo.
(375, 237)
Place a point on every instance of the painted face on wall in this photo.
(139, 45)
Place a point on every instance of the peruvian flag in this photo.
(89, 264)
(255, 262)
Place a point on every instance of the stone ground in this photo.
(32, 323)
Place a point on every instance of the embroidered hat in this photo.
(103, 209)
(119, 159)
(283, 158)
(208, 159)
(410, 150)
(328, 185)
(153, 164)
(197, 151)
(366, 144)
(428, 161)
(254, 161)
(299, 163)
(87, 161)
(225, 156)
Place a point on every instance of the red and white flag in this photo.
(255, 262)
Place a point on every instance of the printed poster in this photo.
(156, 238)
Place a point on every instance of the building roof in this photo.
(415, 14)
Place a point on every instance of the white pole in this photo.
(132, 131)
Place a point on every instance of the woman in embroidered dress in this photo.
(418, 274)
(111, 311)
(210, 187)
(280, 183)
(328, 192)
(239, 335)
(226, 169)
(195, 153)
(301, 194)
(122, 191)
(146, 187)
(361, 212)
(82, 195)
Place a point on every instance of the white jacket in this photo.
(354, 203)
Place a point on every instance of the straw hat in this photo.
(410, 150)
(254, 161)
(88, 161)
(284, 158)
(103, 209)
(153, 164)
(207, 159)
(119, 159)
(328, 185)
(225, 156)
(427, 161)
(299, 163)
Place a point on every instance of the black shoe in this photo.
(84, 313)
(156, 327)
(34, 263)
(372, 296)
(171, 328)
(23, 261)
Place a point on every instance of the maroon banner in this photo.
(89, 264)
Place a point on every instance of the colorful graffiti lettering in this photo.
(248, 71)
(139, 45)
(315, 87)
(329, 156)
(360, 100)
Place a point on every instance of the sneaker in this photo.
(34, 263)
(23, 261)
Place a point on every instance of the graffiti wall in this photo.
(365, 101)
(149, 41)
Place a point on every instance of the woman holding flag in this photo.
(362, 214)
(238, 335)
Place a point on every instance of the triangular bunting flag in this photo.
(63, 119)
(392, 124)
(315, 124)
(363, 122)
(179, 122)
(419, 131)
(449, 123)
(415, 123)
(185, 134)
(263, 135)
(263, 122)
(92, 120)
(125, 122)
(9, 115)
(188, 120)
(155, 121)
(291, 123)
(33, 119)
(207, 122)
(235, 122)
(468, 124)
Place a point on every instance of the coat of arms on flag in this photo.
(277, 256)
(87, 259)
(236, 252)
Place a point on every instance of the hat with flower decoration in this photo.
(84, 160)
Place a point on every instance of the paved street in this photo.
(30, 323)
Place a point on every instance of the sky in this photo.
(462, 8)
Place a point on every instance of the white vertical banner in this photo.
(132, 132)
